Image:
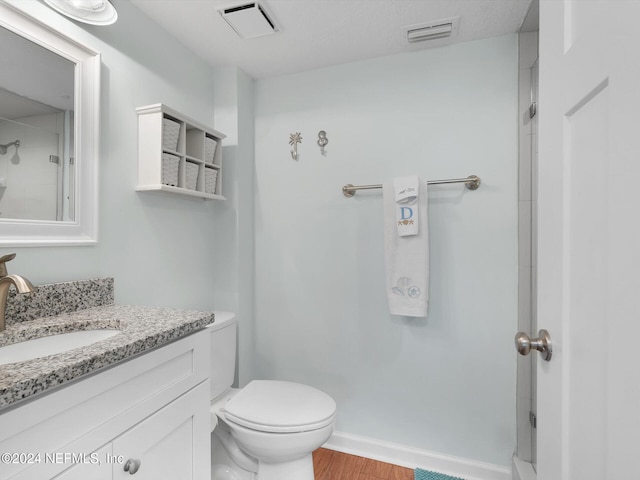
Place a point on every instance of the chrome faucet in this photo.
(22, 286)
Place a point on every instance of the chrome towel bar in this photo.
(472, 182)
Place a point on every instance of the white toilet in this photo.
(268, 429)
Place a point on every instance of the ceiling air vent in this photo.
(249, 20)
(432, 30)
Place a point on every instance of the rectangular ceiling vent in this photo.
(249, 20)
(432, 30)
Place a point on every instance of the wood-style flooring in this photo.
(332, 465)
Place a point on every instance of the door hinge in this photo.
(533, 420)
(533, 109)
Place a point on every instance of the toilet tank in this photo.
(222, 366)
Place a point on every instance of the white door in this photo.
(589, 240)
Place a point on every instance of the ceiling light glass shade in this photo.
(94, 12)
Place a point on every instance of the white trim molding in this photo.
(522, 470)
(411, 457)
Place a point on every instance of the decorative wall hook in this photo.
(294, 140)
(322, 141)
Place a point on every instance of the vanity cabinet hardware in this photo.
(132, 466)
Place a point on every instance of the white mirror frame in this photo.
(83, 230)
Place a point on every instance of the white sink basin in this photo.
(51, 345)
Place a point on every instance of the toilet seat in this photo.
(273, 406)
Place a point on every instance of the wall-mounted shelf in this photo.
(177, 154)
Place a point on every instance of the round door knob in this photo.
(524, 344)
(132, 465)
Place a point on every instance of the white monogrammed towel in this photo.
(407, 191)
(406, 257)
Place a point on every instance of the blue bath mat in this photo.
(420, 474)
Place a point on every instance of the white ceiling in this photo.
(318, 33)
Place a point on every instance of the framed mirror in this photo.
(49, 131)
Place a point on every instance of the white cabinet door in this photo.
(173, 443)
(97, 467)
(589, 240)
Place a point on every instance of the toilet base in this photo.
(300, 469)
(223, 467)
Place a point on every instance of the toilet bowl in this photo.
(268, 429)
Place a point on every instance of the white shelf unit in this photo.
(194, 140)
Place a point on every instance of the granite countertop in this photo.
(142, 329)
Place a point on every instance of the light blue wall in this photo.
(160, 249)
(234, 233)
(444, 384)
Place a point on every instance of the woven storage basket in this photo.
(192, 175)
(209, 149)
(210, 177)
(170, 169)
(170, 134)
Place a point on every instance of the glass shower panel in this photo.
(31, 167)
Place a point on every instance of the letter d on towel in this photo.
(405, 213)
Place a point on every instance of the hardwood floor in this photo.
(332, 465)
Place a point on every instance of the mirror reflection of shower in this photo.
(15, 159)
(35, 165)
(37, 131)
(3, 148)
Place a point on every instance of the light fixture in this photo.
(94, 12)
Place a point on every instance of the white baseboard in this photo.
(522, 470)
(416, 458)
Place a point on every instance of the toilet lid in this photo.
(276, 406)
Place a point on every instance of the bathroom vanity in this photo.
(136, 403)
